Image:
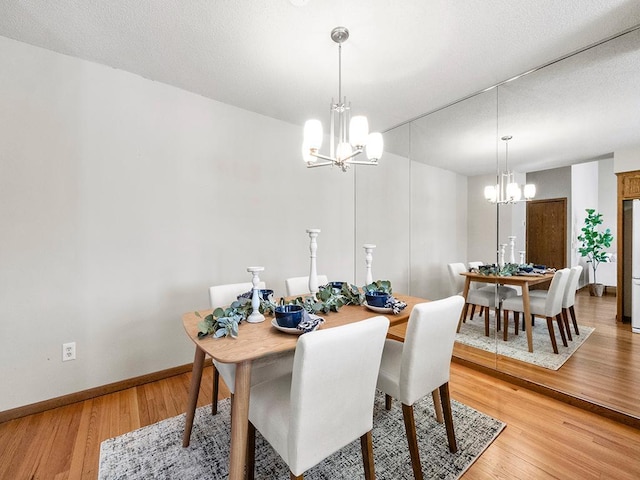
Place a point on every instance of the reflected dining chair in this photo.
(568, 300)
(326, 402)
(483, 297)
(300, 285)
(272, 366)
(548, 306)
(421, 364)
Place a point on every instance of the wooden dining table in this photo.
(522, 281)
(256, 341)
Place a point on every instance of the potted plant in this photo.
(593, 244)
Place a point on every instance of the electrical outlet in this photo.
(68, 351)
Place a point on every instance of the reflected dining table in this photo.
(256, 341)
(522, 281)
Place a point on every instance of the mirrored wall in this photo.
(580, 109)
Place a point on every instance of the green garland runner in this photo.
(224, 322)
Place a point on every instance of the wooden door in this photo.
(547, 232)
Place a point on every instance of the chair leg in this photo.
(473, 311)
(295, 477)
(463, 316)
(437, 405)
(561, 328)
(366, 445)
(251, 452)
(552, 335)
(516, 321)
(387, 401)
(214, 395)
(567, 327)
(412, 440)
(497, 315)
(448, 417)
(573, 319)
(486, 322)
(505, 325)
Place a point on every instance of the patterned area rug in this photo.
(155, 452)
(472, 333)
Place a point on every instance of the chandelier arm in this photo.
(319, 164)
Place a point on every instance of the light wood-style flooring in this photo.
(544, 438)
(605, 370)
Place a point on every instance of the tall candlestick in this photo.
(313, 248)
(503, 246)
(512, 247)
(522, 253)
(256, 316)
(368, 259)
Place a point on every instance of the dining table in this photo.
(256, 341)
(522, 281)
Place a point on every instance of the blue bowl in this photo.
(377, 299)
(289, 316)
(264, 294)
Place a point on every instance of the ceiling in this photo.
(277, 59)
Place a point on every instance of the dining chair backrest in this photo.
(224, 295)
(569, 298)
(553, 303)
(333, 389)
(300, 285)
(428, 346)
(455, 279)
(475, 264)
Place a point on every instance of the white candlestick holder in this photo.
(313, 248)
(256, 316)
(512, 248)
(503, 247)
(522, 257)
(368, 260)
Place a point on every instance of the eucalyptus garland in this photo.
(224, 322)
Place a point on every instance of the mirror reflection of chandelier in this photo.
(352, 133)
(507, 190)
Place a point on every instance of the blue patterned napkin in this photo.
(395, 305)
(309, 322)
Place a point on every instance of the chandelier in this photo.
(507, 190)
(349, 136)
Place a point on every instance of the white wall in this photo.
(584, 187)
(626, 159)
(123, 199)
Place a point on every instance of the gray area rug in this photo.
(155, 451)
(472, 333)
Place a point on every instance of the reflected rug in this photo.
(472, 334)
(155, 451)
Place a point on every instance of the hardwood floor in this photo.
(544, 438)
(604, 371)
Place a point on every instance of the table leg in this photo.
(194, 389)
(527, 315)
(240, 421)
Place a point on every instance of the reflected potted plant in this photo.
(593, 244)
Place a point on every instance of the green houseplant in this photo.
(593, 245)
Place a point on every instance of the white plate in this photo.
(292, 331)
(378, 309)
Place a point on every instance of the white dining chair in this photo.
(548, 306)
(568, 300)
(421, 364)
(300, 285)
(273, 366)
(483, 297)
(326, 402)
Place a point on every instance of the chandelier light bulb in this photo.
(375, 146)
(358, 131)
(529, 191)
(313, 134)
(490, 193)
